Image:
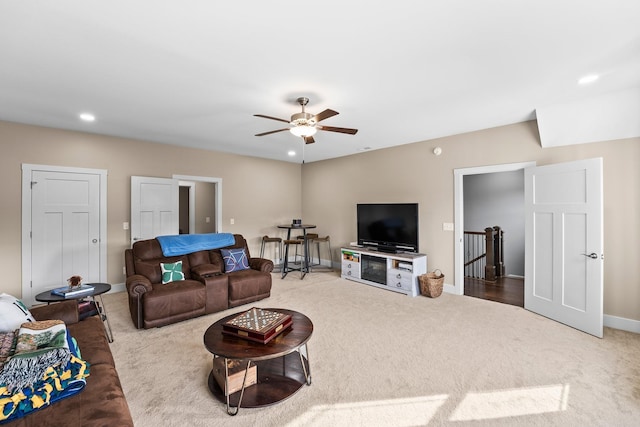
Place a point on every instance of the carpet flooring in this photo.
(379, 358)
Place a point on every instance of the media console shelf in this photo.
(391, 271)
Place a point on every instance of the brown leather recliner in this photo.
(207, 288)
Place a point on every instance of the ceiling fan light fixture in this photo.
(303, 124)
(303, 130)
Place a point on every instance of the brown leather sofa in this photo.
(206, 288)
(102, 402)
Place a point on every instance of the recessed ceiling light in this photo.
(291, 153)
(87, 117)
(588, 79)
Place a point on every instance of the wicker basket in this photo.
(431, 284)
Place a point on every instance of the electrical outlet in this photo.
(125, 225)
(124, 270)
(232, 221)
(447, 226)
(207, 219)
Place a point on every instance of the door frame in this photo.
(27, 173)
(458, 200)
(218, 188)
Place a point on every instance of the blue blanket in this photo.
(182, 244)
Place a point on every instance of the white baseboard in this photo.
(118, 287)
(621, 323)
(451, 289)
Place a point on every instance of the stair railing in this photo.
(484, 254)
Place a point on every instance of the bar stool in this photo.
(285, 264)
(278, 242)
(317, 240)
(310, 237)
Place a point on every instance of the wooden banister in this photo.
(484, 253)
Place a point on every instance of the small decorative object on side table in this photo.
(74, 282)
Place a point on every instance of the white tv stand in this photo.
(395, 272)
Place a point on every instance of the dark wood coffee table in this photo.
(282, 364)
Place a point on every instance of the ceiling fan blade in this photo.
(271, 131)
(341, 130)
(325, 115)
(272, 118)
(308, 139)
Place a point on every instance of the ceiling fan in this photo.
(306, 124)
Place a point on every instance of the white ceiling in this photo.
(194, 72)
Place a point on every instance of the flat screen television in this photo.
(388, 227)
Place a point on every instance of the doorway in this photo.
(202, 201)
(155, 205)
(494, 204)
(184, 209)
(459, 216)
(196, 207)
(563, 240)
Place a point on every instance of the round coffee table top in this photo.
(98, 289)
(238, 348)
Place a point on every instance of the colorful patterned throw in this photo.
(40, 345)
(57, 382)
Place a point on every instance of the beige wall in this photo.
(411, 173)
(252, 188)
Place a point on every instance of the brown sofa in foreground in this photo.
(102, 402)
(207, 288)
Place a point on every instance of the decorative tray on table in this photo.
(257, 324)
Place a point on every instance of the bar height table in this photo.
(304, 268)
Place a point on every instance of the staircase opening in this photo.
(490, 257)
(484, 268)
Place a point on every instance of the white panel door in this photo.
(65, 229)
(564, 243)
(154, 207)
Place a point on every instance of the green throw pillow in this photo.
(171, 272)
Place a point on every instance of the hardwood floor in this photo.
(507, 290)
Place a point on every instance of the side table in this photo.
(98, 290)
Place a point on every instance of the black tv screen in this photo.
(389, 227)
